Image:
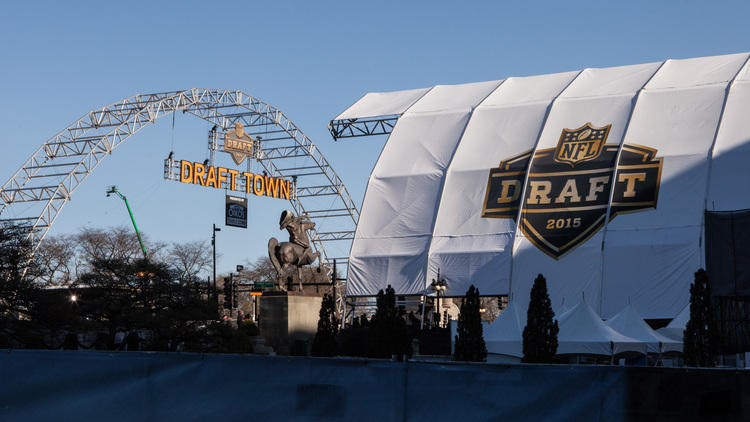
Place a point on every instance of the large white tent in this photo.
(504, 336)
(582, 332)
(562, 154)
(630, 323)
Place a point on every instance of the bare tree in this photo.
(261, 270)
(58, 260)
(190, 259)
(491, 306)
(63, 258)
(120, 243)
(97, 244)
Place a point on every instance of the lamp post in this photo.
(438, 285)
(213, 245)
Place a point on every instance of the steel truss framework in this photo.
(37, 192)
(353, 128)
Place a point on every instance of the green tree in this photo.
(30, 316)
(52, 316)
(112, 297)
(123, 296)
(470, 340)
(701, 341)
(18, 289)
(388, 335)
(324, 343)
(540, 333)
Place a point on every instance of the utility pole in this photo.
(113, 189)
(213, 244)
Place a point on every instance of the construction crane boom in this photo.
(113, 189)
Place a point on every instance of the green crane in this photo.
(113, 189)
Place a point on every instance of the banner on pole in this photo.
(236, 211)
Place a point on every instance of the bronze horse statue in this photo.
(295, 253)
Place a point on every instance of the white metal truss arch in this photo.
(35, 195)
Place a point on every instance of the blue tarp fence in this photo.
(100, 386)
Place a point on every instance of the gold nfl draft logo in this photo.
(238, 143)
(583, 144)
(568, 188)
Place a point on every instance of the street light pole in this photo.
(213, 244)
(438, 286)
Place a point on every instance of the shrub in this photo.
(324, 343)
(540, 333)
(700, 335)
(470, 344)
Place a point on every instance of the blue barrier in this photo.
(83, 386)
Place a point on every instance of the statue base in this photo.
(289, 320)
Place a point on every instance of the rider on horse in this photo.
(297, 228)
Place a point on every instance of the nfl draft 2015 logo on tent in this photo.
(568, 188)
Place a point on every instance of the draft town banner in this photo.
(568, 188)
(233, 180)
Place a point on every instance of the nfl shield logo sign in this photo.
(582, 144)
(238, 143)
(567, 189)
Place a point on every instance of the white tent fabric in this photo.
(376, 104)
(424, 208)
(678, 113)
(630, 323)
(467, 248)
(596, 95)
(732, 151)
(398, 212)
(504, 336)
(676, 328)
(582, 332)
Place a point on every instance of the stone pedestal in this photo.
(289, 317)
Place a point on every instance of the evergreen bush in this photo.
(249, 328)
(324, 343)
(540, 333)
(387, 335)
(353, 339)
(701, 342)
(470, 344)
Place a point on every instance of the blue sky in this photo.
(58, 60)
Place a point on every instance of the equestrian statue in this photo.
(295, 253)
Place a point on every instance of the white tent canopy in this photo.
(630, 323)
(582, 332)
(660, 127)
(676, 328)
(504, 336)
(376, 104)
